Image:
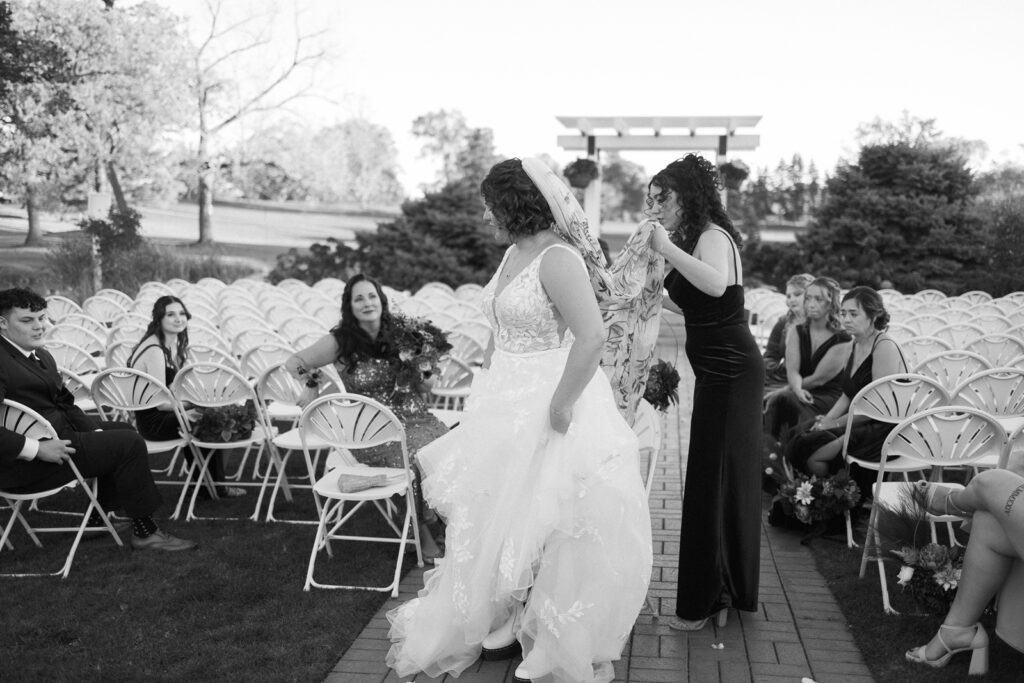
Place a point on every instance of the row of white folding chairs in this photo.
(997, 349)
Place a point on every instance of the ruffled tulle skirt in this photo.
(559, 521)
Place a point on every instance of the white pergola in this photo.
(716, 134)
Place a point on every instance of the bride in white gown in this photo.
(548, 533)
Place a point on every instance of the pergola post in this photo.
(620, 136)
(592, 195)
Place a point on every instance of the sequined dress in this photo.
(375, 378)
(559, 521)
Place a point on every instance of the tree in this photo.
(623, 188)
(465, 153)
(225, 47)
(35, 105)
(903, 212)
(86, 90)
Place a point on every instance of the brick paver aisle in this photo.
(799, 632)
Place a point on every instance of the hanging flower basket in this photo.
(734, 173)
(581, 173)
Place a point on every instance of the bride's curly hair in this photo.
(696, 183)
(518, 206)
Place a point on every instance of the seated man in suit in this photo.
(112, 452)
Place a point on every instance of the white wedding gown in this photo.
(559, 521)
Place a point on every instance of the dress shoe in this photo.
(502, 642)
(161, 540)
(680, 624)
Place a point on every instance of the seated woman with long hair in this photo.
(775, 348)
(815, 352)
(361, 347)
(872, 356)
(161, 353)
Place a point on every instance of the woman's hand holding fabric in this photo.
(659, 238)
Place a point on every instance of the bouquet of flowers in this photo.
(931, 573)
(225, 423)
(418, 345)
(662, 385)
(808, 498)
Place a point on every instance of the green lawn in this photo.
(234, 609)
(883, 639)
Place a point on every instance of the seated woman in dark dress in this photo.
(775, 349)
(161, 353)
(369, 366)
(873, 355)
(815, 352)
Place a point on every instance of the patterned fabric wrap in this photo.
(628, 292)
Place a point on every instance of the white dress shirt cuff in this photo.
(29, 450)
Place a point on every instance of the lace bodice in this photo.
(522, 316)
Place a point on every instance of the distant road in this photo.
(230, 224)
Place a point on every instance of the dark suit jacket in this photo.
(42, 390)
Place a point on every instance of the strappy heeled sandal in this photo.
(978, 647)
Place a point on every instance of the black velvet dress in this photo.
(719, 548)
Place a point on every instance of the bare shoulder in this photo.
(560, 258)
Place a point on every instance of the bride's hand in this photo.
(560, 418)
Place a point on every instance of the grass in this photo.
(883, 639)
(234, 609)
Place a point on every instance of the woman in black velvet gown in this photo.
(720, 538)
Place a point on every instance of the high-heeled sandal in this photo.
(979, 646)
(938, 500)
(680, 624)
(503, 642)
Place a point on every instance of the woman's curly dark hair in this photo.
(518, 206)
(696, 183)
(354, 342)
(871, 303)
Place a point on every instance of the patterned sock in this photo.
(143, 527)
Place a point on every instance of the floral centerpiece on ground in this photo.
(809, 499)
(224, 424)
(662, 388)
(931, 574)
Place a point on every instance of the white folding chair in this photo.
(256, 360)
(992, 323)
(204, 353)
(79, 388)
(249, 338)
(901, 333)
(103, 309)
(917, 349)
(207, 385)
(122, 392)
(890, 399)
(91, 342)
(71, 357)
(951, 368)
(929, 295)
(415, 308)
(351, 422)
(998, 349)
(925, 323)
(466, 348)
(59, 307)
(947, 436)
(959, 334)
(301, 326)
(454, 383)
(998, 392)
(23, 420)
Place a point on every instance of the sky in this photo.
(812, 69)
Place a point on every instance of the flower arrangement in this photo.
(581, 172)
(418, 345)
(225, 423)
(931, 574)
(662, 385)
(808, 498)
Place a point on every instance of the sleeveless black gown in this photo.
(720, 540)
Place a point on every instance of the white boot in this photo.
(501, 643)
(536, 665)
